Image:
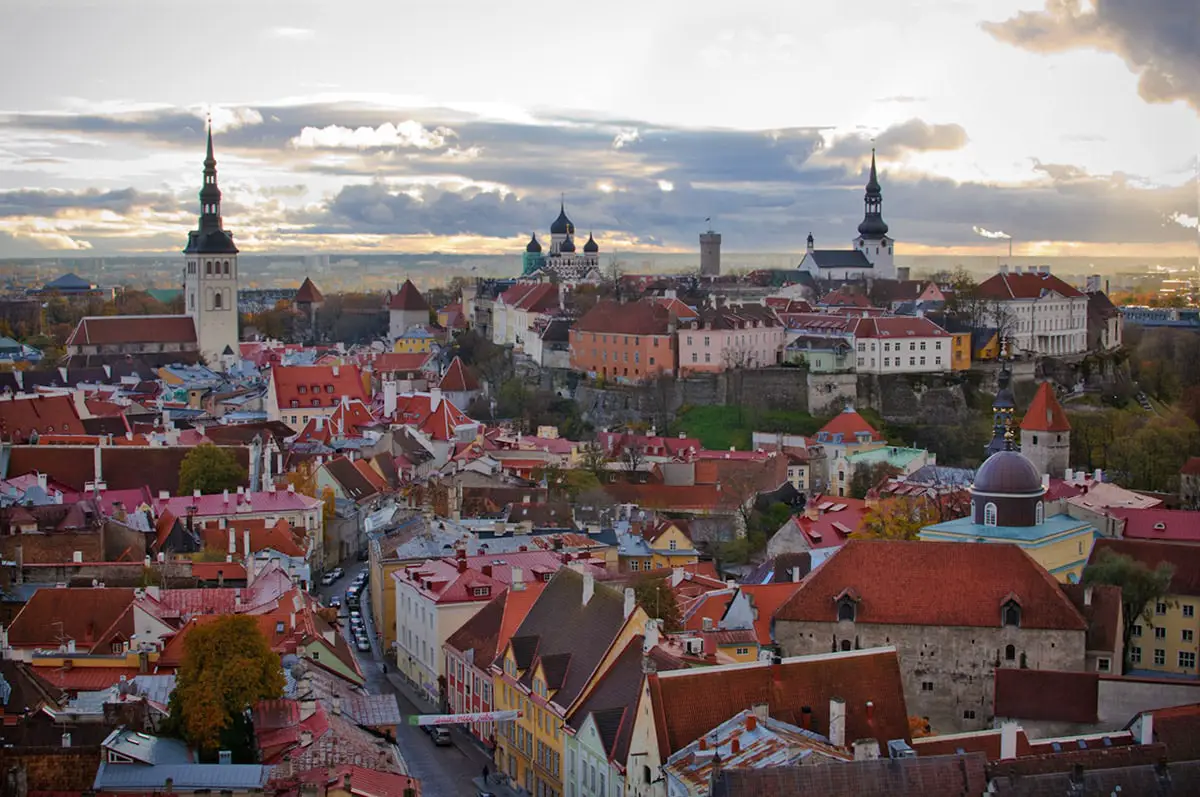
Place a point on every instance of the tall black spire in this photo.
(873, 226)
(210, 236)
(1003, 407)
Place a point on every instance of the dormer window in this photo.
(481, 592)
(1011, 614)
(847, 609)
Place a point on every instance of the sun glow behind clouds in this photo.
(407, 134)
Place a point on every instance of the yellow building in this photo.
(567, 642)
(415, 340)
(960, 351)
(665, 544)
(986, 345)
(1164, 639)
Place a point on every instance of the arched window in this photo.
(1040, 512)
(208, 267)
(226, 268)
(1010, 652)
(645, 773)
(1011, 614)
(845, 644)
(989, 514)
(846, 610)
(217, 302)
(972, 508)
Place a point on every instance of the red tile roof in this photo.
(308, 293)
(408, 298)
(438, 423)
(1179, 728)
(1024, 286)
(85, 679)
(278, 536)
(109, 330)
(1022, 694)
(935, 584)
(686, 498)
(391, 362)
(458, 378)
(633, 318)
(891, 327)
(324, 384)
(1162, 525)
(46, 415)
(836, 519)
(857, 677)
(1184, 558)
(1045, 414)
(213, 571)
(82, 614)
(1191, 467)
(848, 424)
(767, 598)
(532, 297)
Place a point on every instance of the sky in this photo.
(1072, 126)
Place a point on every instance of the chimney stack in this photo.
(589, 588)
(837, 722)
(1146, 729)
(518, 579)
(630, 602)
(1008, 741)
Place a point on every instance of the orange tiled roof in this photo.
(1045, 414)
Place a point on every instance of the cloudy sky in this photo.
(389, 126)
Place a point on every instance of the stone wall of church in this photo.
(947, 671)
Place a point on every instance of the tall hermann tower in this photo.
(211, 274)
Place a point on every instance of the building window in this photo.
(1187, 659)
(846, 610)
(1040, 515)
(633, 565)
(1012, 614)
(1188, 634)
(673, 545)
(912, 360)
(926, 686)
(706, 340)
(1010, 653)
(922, 359)
(1160, 608)
(742, 652)
(1103, 665)
(1137, 630)
(922, 345)
(989, 514)
(217, 300)
(845, 645)
(969, 714)
(1160, 633)
(1189, 610)
(689, 340)
(1135, 655)
(1160, 657)
(887, 361)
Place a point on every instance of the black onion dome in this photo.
(533, 245)
(567, 246)
(873, 226)
(1008, 473)
(591, 247)
(562, 225)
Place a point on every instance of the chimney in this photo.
(41, 481)
(1045, 481)
(651, 636)
(806, 717)
(233, 541)
(1146, 729)
(389, 398)
(1067, 475)
(1098, 475)
(676, 576)
(866, 749)
(796, 574)
(462, 565)
(196, 493)
(66, 739)
(308, 707)
(435, 398)
(336, 705)
(225, 495)
(837, 722)
(225, 757)
(1087, 596)
(589, 587)
(305, 738)
(486, 570)
(1008, 741)
(518, 579)
(336, 370)
(630, 602)
(246, 541)
(751, 721)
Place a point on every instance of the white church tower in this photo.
(211, 275)
(873, 240)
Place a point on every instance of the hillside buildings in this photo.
(1041, 313)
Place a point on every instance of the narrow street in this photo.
(443, 771)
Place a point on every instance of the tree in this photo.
(210, 469)
(863, 480)
(654, 595)
(227, 668)
(897, 518)
(633, 456)
(593, 459)
(1141, 587)
(919, 727)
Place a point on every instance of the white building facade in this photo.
(1041, 313)
(872, 255)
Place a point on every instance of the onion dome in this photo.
(567, 246)
(533, 246)
(591, 247)
(562, 225)
(873, 226)
(1008, 473)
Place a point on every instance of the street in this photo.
(443, 771)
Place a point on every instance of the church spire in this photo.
(210, 194)
(873, 226)
(1003, 406)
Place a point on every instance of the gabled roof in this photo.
(356, 485)
(934, 776)
(1191, 467)
(839, 258)
(458, 378)
(401, 362)
(21, 417)
(83, 614)
(408, 298)
(117, 329)
(633, 318)
(312, 386)
(1184, 558)
(1024, 286)
(1158, 525)
(308, 293)
(1045, 414)
(849, 424)
(532, 297)
(1100, 605)
(960, 585)
(857, 677)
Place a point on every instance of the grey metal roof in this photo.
(840, 258)
(148, 749)
(184, 777)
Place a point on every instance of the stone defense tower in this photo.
(1046, 433)
(211, 274)
(710, 254)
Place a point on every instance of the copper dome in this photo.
(1007, 473)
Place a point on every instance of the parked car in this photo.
(362, 643)
(440, 736)
(335, 602)
(337, 573)
(328, 579)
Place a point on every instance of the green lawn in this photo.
(720, 427)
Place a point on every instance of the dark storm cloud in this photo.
(765, 190)
(1158, 39)
(35, 202)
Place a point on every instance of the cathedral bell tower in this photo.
(211, 274)
(873, 240)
